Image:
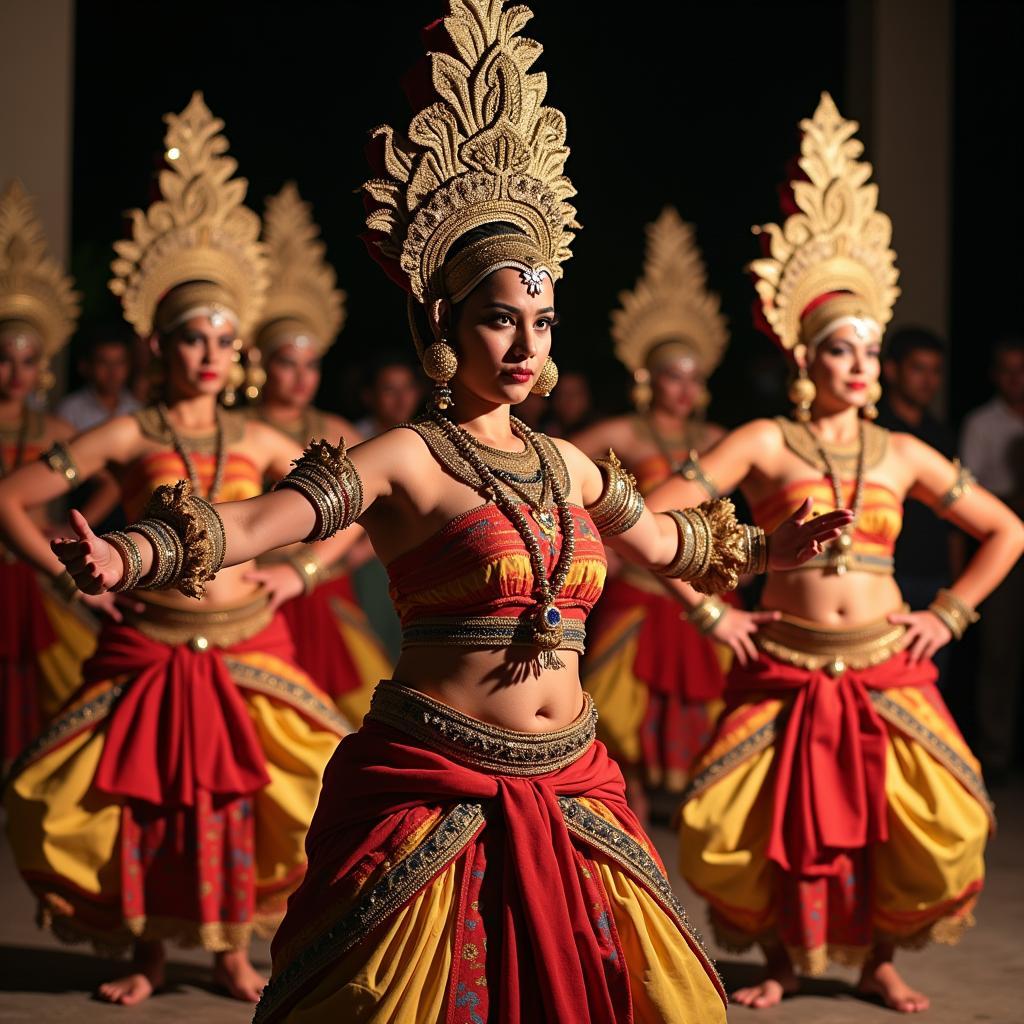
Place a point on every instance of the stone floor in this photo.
(982, 980)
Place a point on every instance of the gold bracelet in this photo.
(757, 551)
(621, 504)
(65, 587)
(168, 554)
(693, 471)
(962, 484)
(58, 458)
(956, 615)
(723, 548)
(326, 477)
(309, 570)
(130, 556)
(706, 615)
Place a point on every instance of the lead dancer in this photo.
(473, 856)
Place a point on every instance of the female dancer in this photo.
(838, 812)
(473, 854)
(171, 796)
(44, 636)
(304, 311)
(656, 679)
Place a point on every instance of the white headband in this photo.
(861, 324)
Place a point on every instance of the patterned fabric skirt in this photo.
(838, 805)
(657, 680)
(336, 645)
(43, 642)
(461, 872)
(171, 796)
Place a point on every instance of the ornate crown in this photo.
(33, 287)
(486, 150)
(837, 242)
(303, 294)
(671, 301)
(198, 232)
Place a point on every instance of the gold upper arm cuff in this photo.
(714, 549)
(326, 477)
(58, 458)
(693, 471)
(962, 484)
(621, 504)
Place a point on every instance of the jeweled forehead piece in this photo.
(486, 151)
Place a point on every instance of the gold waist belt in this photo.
(486, 631)
(488, 748)
(808, 645)
(885, 565)
(220, 627)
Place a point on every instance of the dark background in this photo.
(693, 104)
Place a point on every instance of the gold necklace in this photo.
(675, 465)
(839, 559)
(186, 457)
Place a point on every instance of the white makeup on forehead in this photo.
(862, 327)
(218, 316)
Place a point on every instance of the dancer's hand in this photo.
(111, 606)
(926, 633)
(281, 582)
(736, 629)
(94, 565)
(800, 538)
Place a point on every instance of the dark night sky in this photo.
(695, 104)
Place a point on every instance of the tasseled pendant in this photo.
(550, 659)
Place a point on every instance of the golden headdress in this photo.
(670, 303)
(33, 287)
(832, 259)
(198, 240)
(303, 298)
(485, 151)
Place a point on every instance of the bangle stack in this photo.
(309, 570)
(757, 551)
(693, 556)
(58, 458)
(621, 504)
(954, 614)
(130, 556)
(327, 479)
(168, 554)
(706, 615)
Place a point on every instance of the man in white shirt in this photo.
(992, 446)
(106, 367)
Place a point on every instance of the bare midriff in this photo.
(840, 602)
(229, 588)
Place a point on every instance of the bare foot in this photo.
(769, 993)
(234, 972)
(147, 978)
(883, 980)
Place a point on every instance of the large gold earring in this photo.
(440, 363)
(546, 379)
(642, 393)
(236, 376)
(46, 381)
(802, 393)
(255, 375)
(870, 411)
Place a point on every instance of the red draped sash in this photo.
(830, 757)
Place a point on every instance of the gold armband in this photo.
(963, 483)
(714, 549)
(621, 504)
(58, 458)
(954, 614)
(309, 570)
(706, 615)
(130, 556)
(327, 479)
(199, 531)
(693, 471)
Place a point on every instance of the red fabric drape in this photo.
(552, 961)
(181, 724)
(829, 759)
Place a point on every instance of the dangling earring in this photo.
(440, 363)
(46, 382)
(802, 393)
(255, 375)
(870, 411)
(236, 376)
(642, 394)
(546, 379)
(700, 407)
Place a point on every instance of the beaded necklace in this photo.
(548, 628)
(186, 456)
(675, 465)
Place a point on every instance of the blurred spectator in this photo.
(106, 366)
(914, 368)
(570, 407)
(992, 445)
(392, 394)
